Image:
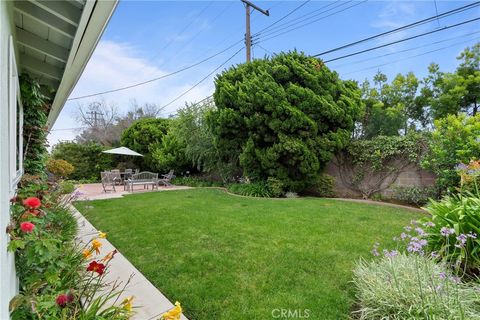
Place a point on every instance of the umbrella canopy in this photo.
(123, 151)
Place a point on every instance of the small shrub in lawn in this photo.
(414, 195)
(323, 186)
(401, 286)
(253, 189)
(276, 187)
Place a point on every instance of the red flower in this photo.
(27, 227)
(62, 300)
(32, 203)
(94, 266)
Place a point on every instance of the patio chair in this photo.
(118, 177)
(108, 181)
(166, 178)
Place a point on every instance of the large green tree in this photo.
(145, 136)
(283, 117)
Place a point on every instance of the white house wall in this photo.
(8, 279)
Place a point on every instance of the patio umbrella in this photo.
(123, 151)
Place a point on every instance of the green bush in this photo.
(66, 187)
(412, 287)
(253, 189)
(282, 117)
(144, 136)
(88, 159)
(275, 187)
(461, 214)
(414, 195)
(454, 141)
(196, 182)
(323, 186)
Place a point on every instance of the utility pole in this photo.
(93, 116)
(248, 37)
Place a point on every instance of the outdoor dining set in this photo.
(129, 178)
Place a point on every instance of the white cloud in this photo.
(116, 64)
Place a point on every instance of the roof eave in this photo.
(93, 22)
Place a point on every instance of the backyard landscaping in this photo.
(231, 257)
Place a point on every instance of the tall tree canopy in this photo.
(283, 117)
(144, 136)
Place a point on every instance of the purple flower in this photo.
(434, 255)
(390, 254)
(454, 279)
(404, 236)
(442, 275)
(446, 231)
(461, 166)
(375, 249)
(472, 235)
(429, 224)
(420, 232)
(461, 240)
(413, 222)
(408, 228)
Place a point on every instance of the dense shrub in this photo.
(454, 141)
(253, 189)
(196, 182)
(282, 117)
(59, 168)
(88, 159)
(275, 187)
(144, 136)
(415, 195)
(323, 186)
(461, 215)
(413, 287)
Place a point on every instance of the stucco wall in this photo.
(412, 175)
(8, 279)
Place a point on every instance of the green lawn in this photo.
(228, 257)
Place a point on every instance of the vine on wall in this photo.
(371, 166)
(36, 106)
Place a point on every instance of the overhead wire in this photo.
(401, 40)
(405, 27)
(203, 79)
(410, 57)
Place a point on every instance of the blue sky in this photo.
(146, 39)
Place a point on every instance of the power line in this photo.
(316, 20)
(157, 78)
(203, 79)
(408, 26)
(298, 18)
(291, 23)
(411, 57)
(285, 16)
(401, 40)
(405, 50)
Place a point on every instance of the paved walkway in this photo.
(94, 191)
(150, 301)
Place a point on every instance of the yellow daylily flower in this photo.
(102, 235)
(127, 303)
(87, 253)
(96, 244)
(174, 313)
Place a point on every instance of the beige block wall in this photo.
(412, 175)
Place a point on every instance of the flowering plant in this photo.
(59, 279)
(469, 175)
